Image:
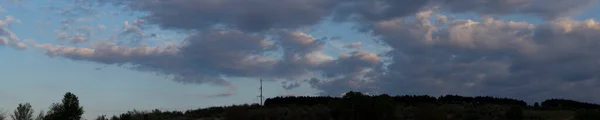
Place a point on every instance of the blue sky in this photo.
(32, 76)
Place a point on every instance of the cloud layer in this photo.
(432, 53)
(490, 57)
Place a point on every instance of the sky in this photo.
(120, 55)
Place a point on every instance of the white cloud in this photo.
(7, 37)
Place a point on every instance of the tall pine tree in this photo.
(69, 109)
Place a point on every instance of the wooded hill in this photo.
(358, 106)
(351, 106)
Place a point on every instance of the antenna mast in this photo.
(261, 92)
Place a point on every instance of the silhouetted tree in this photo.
(298, 100)
(23, 112)
(40, 116)
(536, 105)
(383, 106)
(415, 99)
(114, 118)
(236, 113)
(101, 117)
(563, 104)
(69, 109)
(2, 115)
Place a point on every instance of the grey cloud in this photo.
(261, 15)
(133, 32)
(548, 9)
(302, 54)
(290, 86)
(455, 59)
(298, 42)
(164, 60)
(362, 80)
(135, 27)
(354, 63)
(207, 57)
(375, 10)
(558, 8)
(382, 10)
(491, 57)
(568, 47)
(357, 71)
(202, 58)
(487, 6)
(232, 52)
(253, 15)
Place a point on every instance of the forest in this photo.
(351, 106)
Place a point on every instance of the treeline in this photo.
(406, 99)
(67, 109)
(563, 104)
(553, 104)
(351, 106)
(358, 106)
